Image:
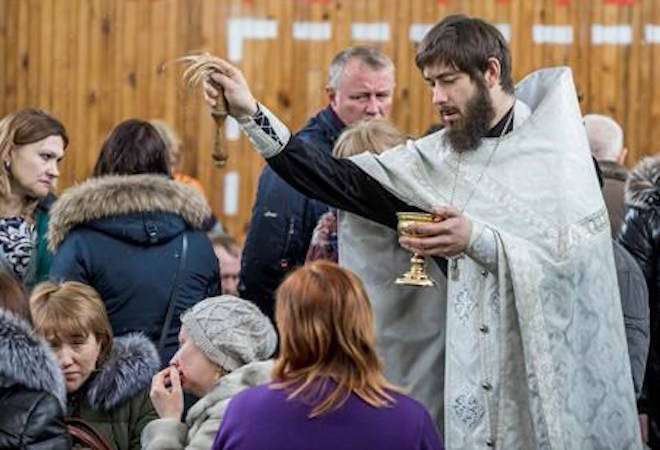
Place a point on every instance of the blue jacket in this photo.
(283, 221)
(123, 237)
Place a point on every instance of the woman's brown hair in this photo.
(326, 330)
(62, 311)
(134, 147)
(26, 126)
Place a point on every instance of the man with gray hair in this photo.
(606, 143)
(360, 85)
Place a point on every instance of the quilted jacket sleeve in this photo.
(637, 237)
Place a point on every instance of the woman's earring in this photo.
(7, 166)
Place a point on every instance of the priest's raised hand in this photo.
(240, 100)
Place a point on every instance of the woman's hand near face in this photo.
(166, 393)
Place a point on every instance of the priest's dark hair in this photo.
(466, 43)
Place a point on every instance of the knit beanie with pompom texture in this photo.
(230, 331)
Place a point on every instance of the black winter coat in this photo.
(640, 235)
(122, 235)
(32, 390)
(283, 221)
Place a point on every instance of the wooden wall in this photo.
(93, 63)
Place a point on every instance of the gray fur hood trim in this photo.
(643, 184)
(115, 195)
(128, 370)
(27, 359)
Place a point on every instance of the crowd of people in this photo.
(129, 320)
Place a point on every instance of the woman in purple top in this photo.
(329, 390)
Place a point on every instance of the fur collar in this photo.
(26, 359)
(114, 195)
(128, 370)
(643, 184)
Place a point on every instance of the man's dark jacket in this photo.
(640, 234)
(635, 306)
(283, 221)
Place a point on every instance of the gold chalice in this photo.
(416, 275)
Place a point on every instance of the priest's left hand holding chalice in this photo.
(448, 235)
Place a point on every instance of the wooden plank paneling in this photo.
(22, 56)
(94, 63)
(34, 53)
(129, 56)
(90, 114)
(11, 75)
(4, 25)
(651, 138)
(63, 70)
(85, 11)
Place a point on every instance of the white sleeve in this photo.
(483, 246)
(266, 132)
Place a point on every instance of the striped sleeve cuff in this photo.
(266, 132)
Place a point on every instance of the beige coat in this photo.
(203, 420)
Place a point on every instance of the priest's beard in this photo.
(466, 133)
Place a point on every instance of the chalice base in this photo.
(416, 275)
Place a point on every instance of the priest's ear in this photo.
(492, 72)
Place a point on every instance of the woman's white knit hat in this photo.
(230, 331)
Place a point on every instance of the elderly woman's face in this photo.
(33, 167)
(77, 356)
(198, 374)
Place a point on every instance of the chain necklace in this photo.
(488, 161)
(454, 260)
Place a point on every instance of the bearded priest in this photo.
(535, 354)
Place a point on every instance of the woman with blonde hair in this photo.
(373, 135)
(329, 391)
(32, 144)
(107, 380)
